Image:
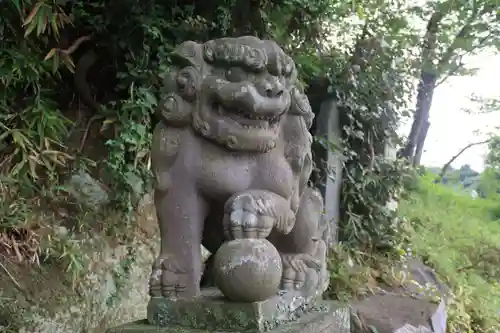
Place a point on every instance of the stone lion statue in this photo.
(232, 158)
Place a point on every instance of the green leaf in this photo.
(360, 11)
(17, 4)
(30, 28)
(150, 99)
(466, 44)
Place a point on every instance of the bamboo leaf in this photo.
(29, 30)
(54, 26)
(51, 53)
(32, 14)
(55, 63)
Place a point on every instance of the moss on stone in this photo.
(213, 312)
(327, 317)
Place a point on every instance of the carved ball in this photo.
(248, 270)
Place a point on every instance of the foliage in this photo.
(454, 30)
(33, 127)
(489, 185)
(372, 103)
(493, 157)
(28, 232)
(460, 238)
(464, 29)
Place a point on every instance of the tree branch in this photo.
(453, 46)
(452, 71)
(447, 164)
(462, 33)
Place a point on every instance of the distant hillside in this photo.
(464, 178)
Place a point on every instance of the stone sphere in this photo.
(248, 270)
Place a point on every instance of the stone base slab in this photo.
(325, 317)
(213, 312)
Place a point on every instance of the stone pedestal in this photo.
(211, 313)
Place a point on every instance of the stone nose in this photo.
(273, 88)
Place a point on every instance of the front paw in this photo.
(247, 216)
(167, 278)
(300, 272)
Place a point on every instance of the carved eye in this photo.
(236, 74)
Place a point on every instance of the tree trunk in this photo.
(429, 75)
(421, 142)
(426, 85)
(424, 101)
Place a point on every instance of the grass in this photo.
(49, 228)
(460, 238)
(47, 242)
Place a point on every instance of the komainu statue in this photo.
(232, 158)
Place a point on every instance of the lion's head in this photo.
(233, 91)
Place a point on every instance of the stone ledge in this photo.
(212, 311)
(327, 317)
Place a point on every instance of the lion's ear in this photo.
(188, 83)
(175, 111)
(293, 79)
(181, 85)
(300, 105)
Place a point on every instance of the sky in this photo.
(452, 129)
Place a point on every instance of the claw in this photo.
(167, 278)
(244, 218)
(299, 271)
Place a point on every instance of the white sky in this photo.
(452, 129)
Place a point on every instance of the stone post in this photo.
(390, 154)
(329, 163)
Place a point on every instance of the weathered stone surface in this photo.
(231, 159)
(426, 282)
(389, 312)
(87, 191)
(326, 317)
(412, 305)
(412, 329)
(248, 270)
(214, 312)
(330, 164)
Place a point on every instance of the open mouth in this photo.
(247, 119)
